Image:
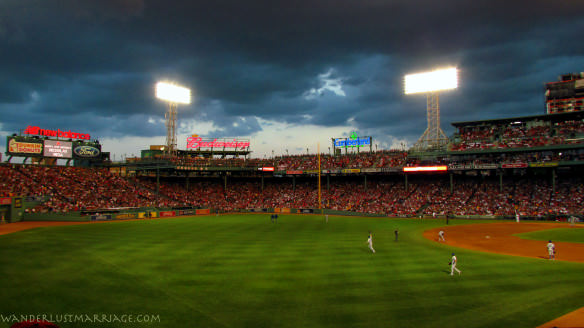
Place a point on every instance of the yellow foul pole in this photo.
(319, 170)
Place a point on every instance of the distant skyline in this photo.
(285, 74)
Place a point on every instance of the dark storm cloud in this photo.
(93, 64)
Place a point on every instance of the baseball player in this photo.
(551, 250)
(370, 242)
(441, 236)
(453, 265)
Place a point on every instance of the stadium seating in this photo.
(74, 189)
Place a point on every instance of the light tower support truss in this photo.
(171, 145)
(433, 137)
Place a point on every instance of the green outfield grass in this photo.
(572, 235)
(244, 271)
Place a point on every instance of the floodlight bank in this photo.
(443, 79)
(173, 93)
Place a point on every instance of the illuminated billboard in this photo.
(425, 168)
(352, 141)
(24, 147)
(86, 151)
(198, 142)
(59, 149)
(35, 130)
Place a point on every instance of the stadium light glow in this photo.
(425, 168)
(441, 79)
(173, 93)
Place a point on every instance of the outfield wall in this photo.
(144, 213)
(108, 215)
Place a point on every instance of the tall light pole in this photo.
(431, 83)
(174, 95)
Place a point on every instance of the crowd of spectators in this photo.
(73, 189)
(505, 136)
(364, 159)
(390, 197)
(377, 159)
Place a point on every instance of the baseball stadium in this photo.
(209, 236)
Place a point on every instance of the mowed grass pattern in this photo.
(244, 271)
(571, 235)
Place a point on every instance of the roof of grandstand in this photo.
(558, 117)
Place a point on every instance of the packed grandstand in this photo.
(530, 165)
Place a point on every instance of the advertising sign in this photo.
(460, 166)
(352, 141)
(198, 142)
(84, 151)
(547, 164)
(391, 169)
(425, 168)
(294, 172)
(35, 130)
(514, 165)
(167, 214)
(125, 216)
(486, 166)
(60, 149)
(24, 148)
(102, 217)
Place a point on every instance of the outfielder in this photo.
(370, 242)
(551, 250)
(453, 265)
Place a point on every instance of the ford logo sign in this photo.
(86, 151)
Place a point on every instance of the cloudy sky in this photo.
(286, 74)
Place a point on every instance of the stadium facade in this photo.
(530, 165)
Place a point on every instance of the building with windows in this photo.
(565, 95)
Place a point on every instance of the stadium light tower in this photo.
(431, 83)
(174, 95)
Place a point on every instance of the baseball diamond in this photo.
(234, 270)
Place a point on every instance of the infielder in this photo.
(370, 242)
(441, 236)
(453, 265)
(551, 250)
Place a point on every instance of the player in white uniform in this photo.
(551, 250)
(441, 236)
(452, 263)
(370, 242)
